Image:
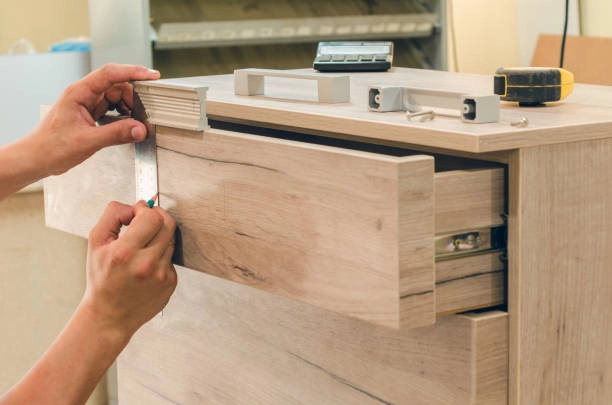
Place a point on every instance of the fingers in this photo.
(151, 227)
(166, 272)
(104, 78)
(163, 243)
(90, 90)
(120, 97)
(108, 227)
(144, 227)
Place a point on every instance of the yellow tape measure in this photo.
(533, 85)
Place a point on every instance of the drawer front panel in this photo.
(222, 343)
(344, 230)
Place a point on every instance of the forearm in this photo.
(70, 370)
(21, 164)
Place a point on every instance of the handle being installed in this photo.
(331, 88)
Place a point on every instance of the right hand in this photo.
(130, 278)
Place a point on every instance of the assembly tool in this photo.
(530, 86)
(421, 101)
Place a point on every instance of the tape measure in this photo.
(531, 86)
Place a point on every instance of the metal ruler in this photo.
(171, 102)
(145, 156)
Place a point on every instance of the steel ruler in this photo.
(145, 157)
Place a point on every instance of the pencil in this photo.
(151, 201)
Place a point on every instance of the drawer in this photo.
(219, 342)
(343, 229)
(346, 230)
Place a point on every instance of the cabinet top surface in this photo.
(291, 104)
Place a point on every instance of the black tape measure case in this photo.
(354, 56)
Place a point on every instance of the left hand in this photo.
(68, 134)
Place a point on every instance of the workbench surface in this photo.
(291, 104)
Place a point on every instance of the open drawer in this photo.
(345, 230)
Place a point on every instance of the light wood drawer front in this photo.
(218, 342)
(344, 230)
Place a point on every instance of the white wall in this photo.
(27, 81)
(596, 16)
(536, 17)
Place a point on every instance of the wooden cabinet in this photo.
(220, 342)
(312, 272)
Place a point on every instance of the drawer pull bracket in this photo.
(475, 108)
(331, 88)
(470, 242)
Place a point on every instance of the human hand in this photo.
(130, 278)
(68, 134)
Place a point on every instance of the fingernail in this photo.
(153, 71)
(138, 134)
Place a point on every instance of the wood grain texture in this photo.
(75, 200)
(334, 227)
(179, 105)
(560, 284)
(310, 222)
(222, 343)
(579, 117)
(415, 210)
(490, 363)
(469, 199)
(470, 282)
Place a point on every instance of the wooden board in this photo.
(560, 283)
(222, 343)
(75, 200)
(469, 199)
(471, 282)
(586, 57)
(586, 113)
(328, 226)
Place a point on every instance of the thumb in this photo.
(119, 132)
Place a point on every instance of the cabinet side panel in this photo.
(560, 284)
